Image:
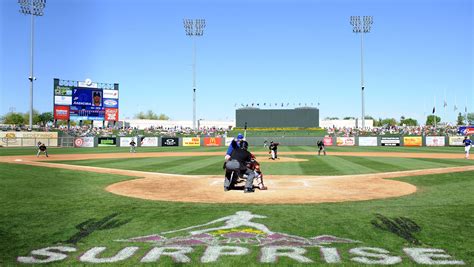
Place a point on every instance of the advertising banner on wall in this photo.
(61, 113)
(28, 138)
(212, 141)
(107, 141)
(346, 141)
(110, 103)
(328, 141)
(456, 140)
(390, 141)
(84, 142)
(435, 141)
(111, 114)
(149, 141)
(191, 141)
(367, 141)
(169, 141)
(412, 141)
(113, 94)
(125, 141)
(63, 90)
(62, 100)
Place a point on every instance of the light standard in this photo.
(362, 27)
(33, 8)
(194, 28)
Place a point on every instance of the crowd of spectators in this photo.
(90, 131)
(395, 130)
(177, 131)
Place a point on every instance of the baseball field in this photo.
(398, 206)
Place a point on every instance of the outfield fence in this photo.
(363, 141)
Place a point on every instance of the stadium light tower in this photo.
(33, 8)
(194, 28)
(362, 26)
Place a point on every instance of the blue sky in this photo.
(256, 51)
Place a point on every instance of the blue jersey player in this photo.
(234, 144)
(467, 145)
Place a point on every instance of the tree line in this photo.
(19, 118)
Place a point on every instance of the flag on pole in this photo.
(434, 109)
(445, 104)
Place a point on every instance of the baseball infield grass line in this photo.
(329, 165)
(41, 207)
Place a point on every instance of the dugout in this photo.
(304, 117)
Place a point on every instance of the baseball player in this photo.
(42, 149)
(132, 146)
(234, 144)
(273, 149)
(239, 159)
(321, 147)
(467, 145)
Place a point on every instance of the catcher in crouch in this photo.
(242, 164)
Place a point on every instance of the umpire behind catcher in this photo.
(239, 159)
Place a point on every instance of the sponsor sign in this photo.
(110, 103)
(236, 235)
(228, 140)
(212, 141)
(390, 141)
(456, 141)
(412, 141)
(28, 138)
(346, 141)
(328, 141)
(125, 141)
(367, 141)
(191, 141)
(149, 141)
(87, 97)
(61, 113)
(84, 142)
(107, 141)
(111, 114)
(169, 141)
(62, 100)
(435, 141)
(113, 94)
(63, 90)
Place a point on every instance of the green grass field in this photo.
(329, 165)
(32, 151)
(43, 207)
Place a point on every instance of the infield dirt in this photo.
(282, 189)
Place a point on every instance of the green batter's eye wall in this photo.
(306, 117)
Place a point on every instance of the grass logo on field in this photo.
(231, 236)
(237, 229)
